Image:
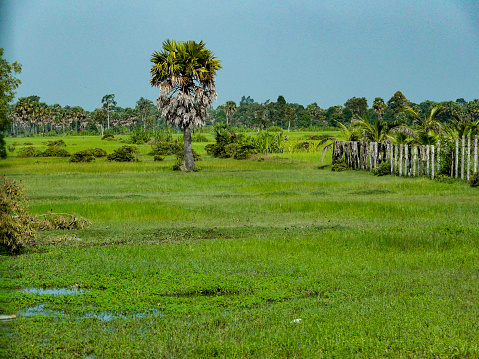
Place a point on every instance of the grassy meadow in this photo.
(273, 257)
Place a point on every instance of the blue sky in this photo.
(74, 52)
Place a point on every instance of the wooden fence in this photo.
(409, 160)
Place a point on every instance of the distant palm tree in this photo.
(230, 109)
(379, 106)
(462, 126)
(427, 128)
(378, 130)
(185, 74)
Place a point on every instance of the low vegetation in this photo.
(124, 154)
(244, 258)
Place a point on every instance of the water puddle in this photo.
(53, 291)
(40, 310)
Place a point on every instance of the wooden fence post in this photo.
(438, 149)
(427, 161)
(414, 161)
(475, 153)
(421, 160)
(392, 158)
(406, 160)
(371, 151)
(432, 162)
(400, 160)
(457, 158)
(468, 157)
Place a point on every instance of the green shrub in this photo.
(108, 137)
(27, 144)
(56, 143)
(199, 137)
(166, 148)
(444, 179)
(15, 223)
(139, 136)
(54, 151)
(158, 158)
(339, 166)
(474, 181)
(304, 145)
(3, 147)
(239, 151)
(265, 142)
(82, 156)
(97, 152)
(216, 150)
(383, 169)
(163, 135)
(124, 154)
(29, 151)
(51, 134)
(274, 129)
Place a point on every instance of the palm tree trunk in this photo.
(189, 160)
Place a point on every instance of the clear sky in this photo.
(74, 52)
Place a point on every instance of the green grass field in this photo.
(242, 259)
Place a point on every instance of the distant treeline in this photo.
(30, 116)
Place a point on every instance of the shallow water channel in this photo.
(40, 310)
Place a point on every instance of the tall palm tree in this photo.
(185, 74)
(230, 109)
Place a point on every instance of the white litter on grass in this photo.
(295, 320)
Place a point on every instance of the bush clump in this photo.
(29, 151)
(383, 169)
(199, 137)
(158, 158)
(96, 152)
(239, 151)
(216, 150)
(339, 166)
(474, 180)
(54, 151)
(274, 129)
(15, 223)
(444, 179)
(166, 148)
(55, 143)
(108, 137)
(139, 136)
(124, 154)
(82, 156)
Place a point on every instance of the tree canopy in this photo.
(185, 74)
